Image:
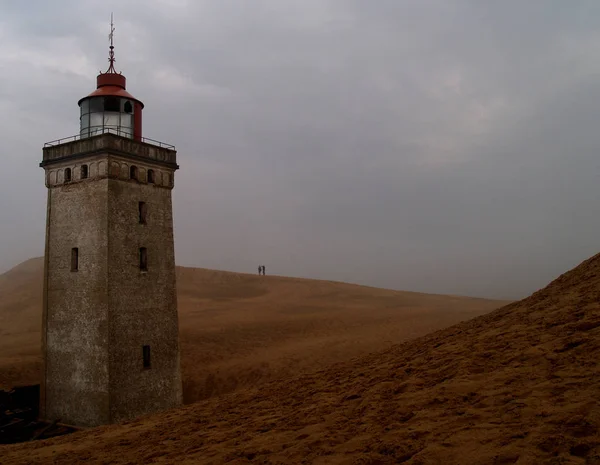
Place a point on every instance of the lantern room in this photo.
(110, 108)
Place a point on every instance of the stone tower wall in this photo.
(143, 304)
(98, 318)
(76, 306)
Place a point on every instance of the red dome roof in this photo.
(111, 84)
(111, 91)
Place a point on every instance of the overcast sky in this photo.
(439, 146)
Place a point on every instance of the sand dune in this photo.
(20, 323)
(239, 330)
(519, 385)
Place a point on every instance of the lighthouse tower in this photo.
(110, 331)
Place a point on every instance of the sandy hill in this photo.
(519, 385)
(240, 330)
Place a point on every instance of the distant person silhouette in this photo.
(259, 269)
(263, 267)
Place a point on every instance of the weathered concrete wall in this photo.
(110, 143)
(97, 320)
(76, 388)
(143, 304)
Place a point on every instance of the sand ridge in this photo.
(518, 385)
(240, 330)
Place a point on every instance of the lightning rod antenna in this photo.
(111, 53)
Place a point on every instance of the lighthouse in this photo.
(110, 328)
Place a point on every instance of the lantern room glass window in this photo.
(126, 120)
(96, 104)
(112, 104)
(85, 121)
(106, 114)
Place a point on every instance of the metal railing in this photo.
(117, 132)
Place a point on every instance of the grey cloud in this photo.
(439, 146)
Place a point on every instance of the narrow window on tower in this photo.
(84, 171)
(127, 108)
(151, 176)
(146, 356)
(74, 259)
(142, 212)
(133, 172)
(67, 174)
(143, 259)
